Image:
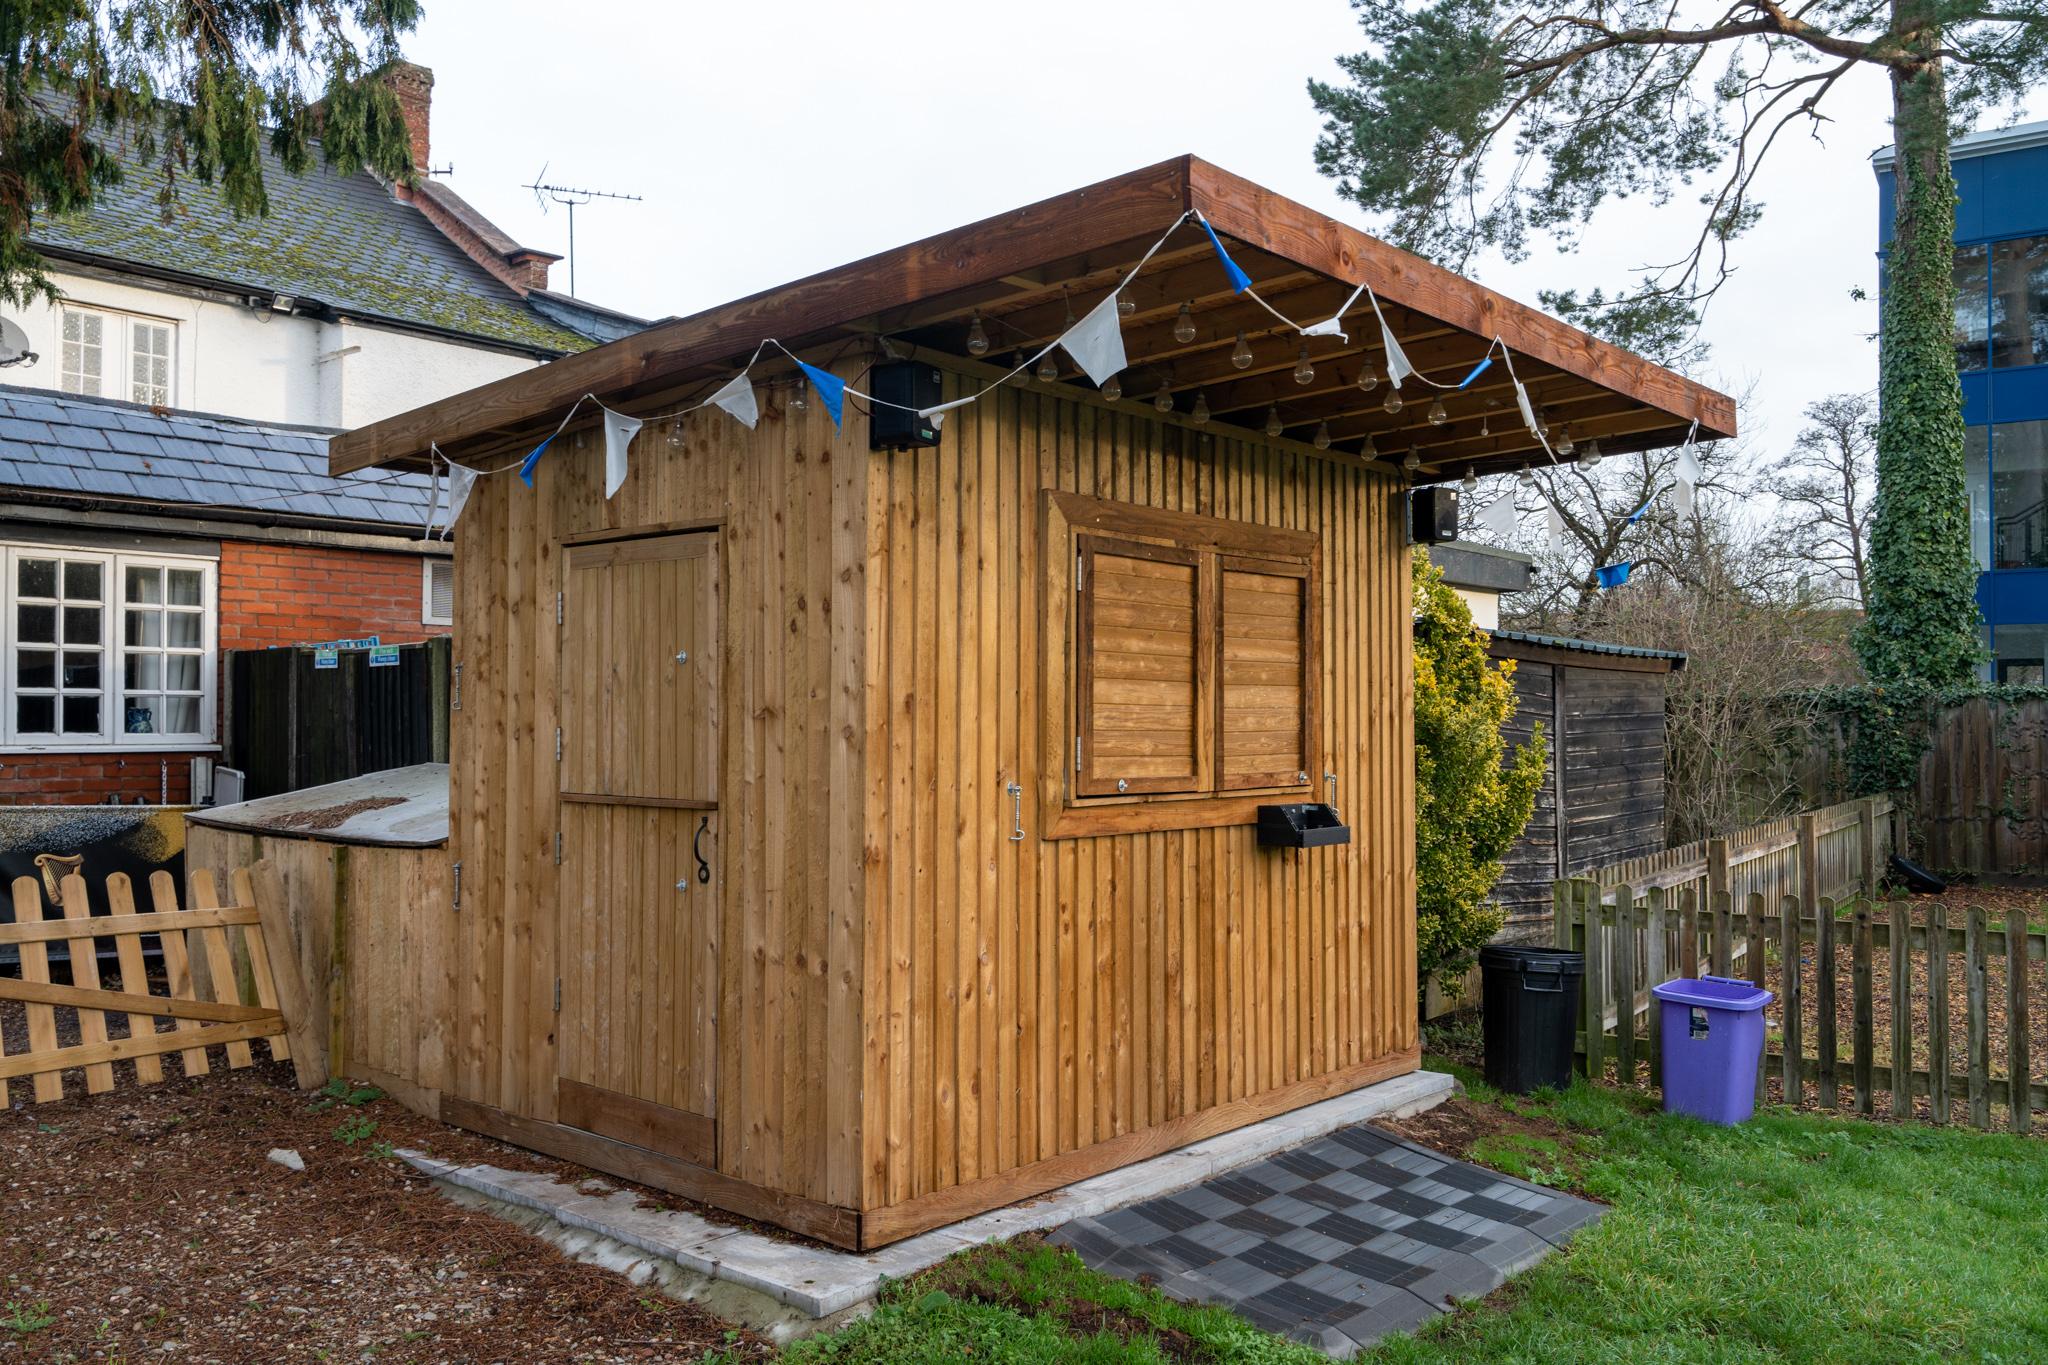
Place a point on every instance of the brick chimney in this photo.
(414, 86)
(521, 268)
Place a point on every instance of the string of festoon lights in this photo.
(1094, 341)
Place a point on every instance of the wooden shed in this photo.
(861, 838)
(1602, 801)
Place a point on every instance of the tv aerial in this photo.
(572, 198)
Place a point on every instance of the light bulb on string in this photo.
(1322, 436)
(1485, 424)
(1526, 477)
(1368, 378)
(1565, 444)
(1304, 368)
(1048, 368)
(1200, 412)
(1068, 326)
(1393, 403)
(1438, 414)
(675, 434)
(977, 337)
(1412, 461)
(1184, 325)
(1592, 454)
(1113, 389)
(1241, 355)
(1469, 484)
(1371, 448)
(1274, 426)
(1125, 305)
(797, 401)
(1163, 400)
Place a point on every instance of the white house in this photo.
(353, 299)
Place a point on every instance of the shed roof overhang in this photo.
(1023, 269)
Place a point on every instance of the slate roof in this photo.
(340, 240)
(74, 447)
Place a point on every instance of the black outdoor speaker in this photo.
(908, 386)
(1432, 515)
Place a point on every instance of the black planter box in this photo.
(1307, 825)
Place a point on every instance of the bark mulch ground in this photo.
(150, 1221)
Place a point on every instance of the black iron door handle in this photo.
(697, 852)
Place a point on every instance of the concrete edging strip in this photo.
(820, 1281)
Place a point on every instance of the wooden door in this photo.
(639, 853)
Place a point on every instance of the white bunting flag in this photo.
(1681, 497)
(1528, 412)
(434, 502)
(1097, 342)
(1688, 464)
(1499, 517)
(737, 398)
(619, 431)
(1553, 529)
(1398, 367)
(937, 413)
(461, 478)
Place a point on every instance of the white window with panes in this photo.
(108, 650)
(118, 355)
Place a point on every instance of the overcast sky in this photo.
(770, 140)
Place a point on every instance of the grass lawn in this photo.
(1793, 1238)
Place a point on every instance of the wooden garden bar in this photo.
(859, 839)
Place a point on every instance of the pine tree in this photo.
(199, 86)
(1477, 125)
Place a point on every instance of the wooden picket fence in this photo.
(202, 1008)
(1633, 941)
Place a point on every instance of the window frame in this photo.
(118, 329)
(113, 651)
(427, 568)
(1066, 810)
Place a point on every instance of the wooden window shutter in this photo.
(1267, 667)
(1144, 645)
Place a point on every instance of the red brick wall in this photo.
(292, 595)
(89, 779)
(270, 595)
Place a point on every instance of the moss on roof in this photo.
(341, 240)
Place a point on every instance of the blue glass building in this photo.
(2002, 352)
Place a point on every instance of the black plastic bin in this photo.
(1531, 999)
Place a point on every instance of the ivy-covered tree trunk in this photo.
(1923, 622)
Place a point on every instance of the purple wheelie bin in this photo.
(1713, 1040)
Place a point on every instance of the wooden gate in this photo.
(204, 933)
(639, 853)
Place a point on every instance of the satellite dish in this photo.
(14, 348)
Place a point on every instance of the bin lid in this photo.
(1527, 959)
(1714, 992)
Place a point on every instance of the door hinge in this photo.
(1077, 571)
(558, 744)
(455, 701)
(1077, 754)
(457, 879)
(558, 609)
(558, 995)
(558, 848)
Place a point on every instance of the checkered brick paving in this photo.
(1339, 1242)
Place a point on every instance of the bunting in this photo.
(619, 431)
(831, 390)
(1613, 575)
(1096, 342)
(1239, 281)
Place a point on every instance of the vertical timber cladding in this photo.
(1041, 1009)
(789, 505)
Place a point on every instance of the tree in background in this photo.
(1825, 486)
(198, 87)
(1475, 125)
(1472, 799)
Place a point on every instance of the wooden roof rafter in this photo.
(1034, 263)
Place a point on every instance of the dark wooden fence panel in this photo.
(293, 725)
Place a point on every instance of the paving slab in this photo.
(825, 1283)
(1340, 1241)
